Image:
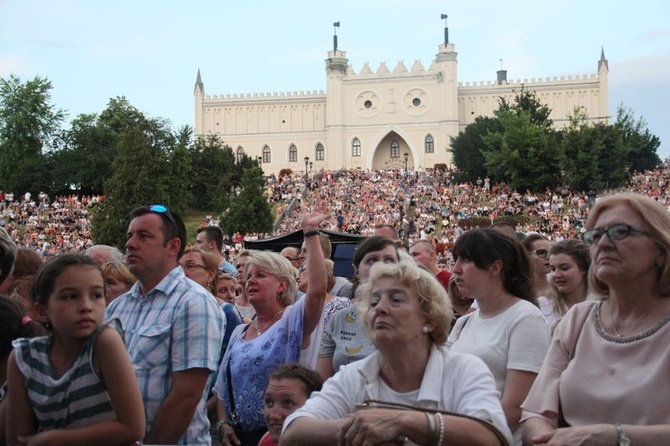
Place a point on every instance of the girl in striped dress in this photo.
(75, 386)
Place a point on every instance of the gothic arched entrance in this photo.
(390, 153)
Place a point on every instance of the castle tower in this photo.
(199, 93)
(604, 103)
(446, 64)
(336, 71)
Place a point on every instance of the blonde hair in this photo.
(278, 266)
(433, 299)
(211, 263)
(119, 271)
(657, 220)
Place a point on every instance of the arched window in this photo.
(266, 155)
(292, 154)
(320, 152)
(430, 144)
(395, 149)
(239, 154)
(356, 147)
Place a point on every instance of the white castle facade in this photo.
(380, 119)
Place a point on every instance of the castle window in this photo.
(239, 154)
(367, 104)
(356, 147)
(395, 149)
(416, 102)
(267, 158)
(320, 152)
(292, 154)
(430, 144)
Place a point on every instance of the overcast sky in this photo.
(150, 50)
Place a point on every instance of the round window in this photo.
(367, 104)
(416, 102)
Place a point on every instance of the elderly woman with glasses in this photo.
(605, 378)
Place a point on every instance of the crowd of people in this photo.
(549, 333)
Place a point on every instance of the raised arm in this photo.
(316, 270)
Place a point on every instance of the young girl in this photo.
(75, 386)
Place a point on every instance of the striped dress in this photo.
(76, 398)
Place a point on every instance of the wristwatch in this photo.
(623, 439)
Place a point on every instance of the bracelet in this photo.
(431, 429)
(220, 424)
(311, 233)
(441, 422)
(623, 439)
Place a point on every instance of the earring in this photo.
(424, 329)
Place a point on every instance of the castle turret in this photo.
(446, 63)
(199, 94)
(336, 71)
(603, 77)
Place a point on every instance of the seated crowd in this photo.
(555, 339)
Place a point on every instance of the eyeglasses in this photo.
(540, 253)
(616, 232)
(160, 209)
(193, 266)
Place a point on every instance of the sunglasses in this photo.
(540, 253)
(160, 209)
(616, 232)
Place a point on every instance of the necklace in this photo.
(259, 331)
(634, 326)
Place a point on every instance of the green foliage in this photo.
(212, 174)
(139, 179)
(249, 211)
(523, 153)
(28, 121)
(467, 149)
(640, 143)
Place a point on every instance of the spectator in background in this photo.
(210, 239)
(8, 252)
(423, 252)
(104, 254)
(118, 279)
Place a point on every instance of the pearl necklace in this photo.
(260, 331)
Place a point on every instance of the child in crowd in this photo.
(76, 385)
(14, 323)
(288, 389)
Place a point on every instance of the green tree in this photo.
(467, 148)
(527, 101)
(140, 178)
(28, 120)
(640, 143)
(213, 170)
(249, 211)
(523, 153)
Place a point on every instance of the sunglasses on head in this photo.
(160, 209)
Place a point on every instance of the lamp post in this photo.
(405, 229)
(306, 172)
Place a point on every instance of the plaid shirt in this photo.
(177, 326)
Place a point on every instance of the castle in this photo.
(381, 119)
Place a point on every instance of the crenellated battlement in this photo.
(400, 69)
(533, 81)
(269, 95)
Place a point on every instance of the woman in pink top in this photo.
(605, 377)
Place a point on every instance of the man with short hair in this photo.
(423, 252)
(173, 329)
(210, 239)
(8, 252)
(292, 254)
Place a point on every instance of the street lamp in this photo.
(405, 230)
(306, 172)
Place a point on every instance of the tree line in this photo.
(129, 158)
(520, 146)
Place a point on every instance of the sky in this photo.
(151, 50)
